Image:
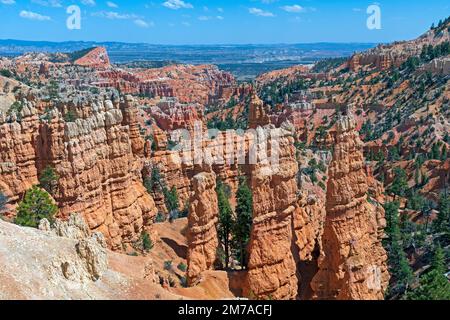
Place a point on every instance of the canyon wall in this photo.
(18, 141)
(97, 160)
(353, 265)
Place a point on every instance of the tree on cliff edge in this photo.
(225, 225)
(35, 206)
(244, 220)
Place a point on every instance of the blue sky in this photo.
(219, 21)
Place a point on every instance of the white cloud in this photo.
(260, 12)
(111, 4)
(88, 2)
(293, 9)
(206, 18)
(33, 16)
(177, 4)
(143, 24)
(48, 3)
(8, 1)
(114, 15)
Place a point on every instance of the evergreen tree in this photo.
(147, 243)
(171, 201)
(442, 223)
(35, 206)
(400, 184)
(225, 224)
(434, 285)
(49, 180)
(244, 220)
(398, 263)
(155, 182)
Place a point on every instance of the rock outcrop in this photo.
(98, 160)
(38, 265)
(95, 58)
(354, 263)
(202, 222)
(257, 113)
(271, 265)
(18, 138)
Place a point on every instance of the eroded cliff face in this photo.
(202, 232)
(99, 167)
(353, 261)
(308, 225)
(98, 161)
(271, 266)
(18, 171)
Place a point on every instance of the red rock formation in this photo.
(257, 113)
(190, 84)
(202, 221)
(97, 160)
(308, 220)
(354, 263)
(95, 58)
(18, 170)
(271, 267)
(170, 115)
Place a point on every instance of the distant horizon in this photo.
(203, 44)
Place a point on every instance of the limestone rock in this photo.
(93, 256)
(75, 228)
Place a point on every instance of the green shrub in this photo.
(6, 73)
(35, 206)
(160, 218)
(182, 267)
(147, 243)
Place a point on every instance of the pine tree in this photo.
(36, 205)
(400, 184)
(225, 224)
(442, 223)
(172, 202)
(244, 220)
(49, 180)
(398, 263)
(434, 285)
